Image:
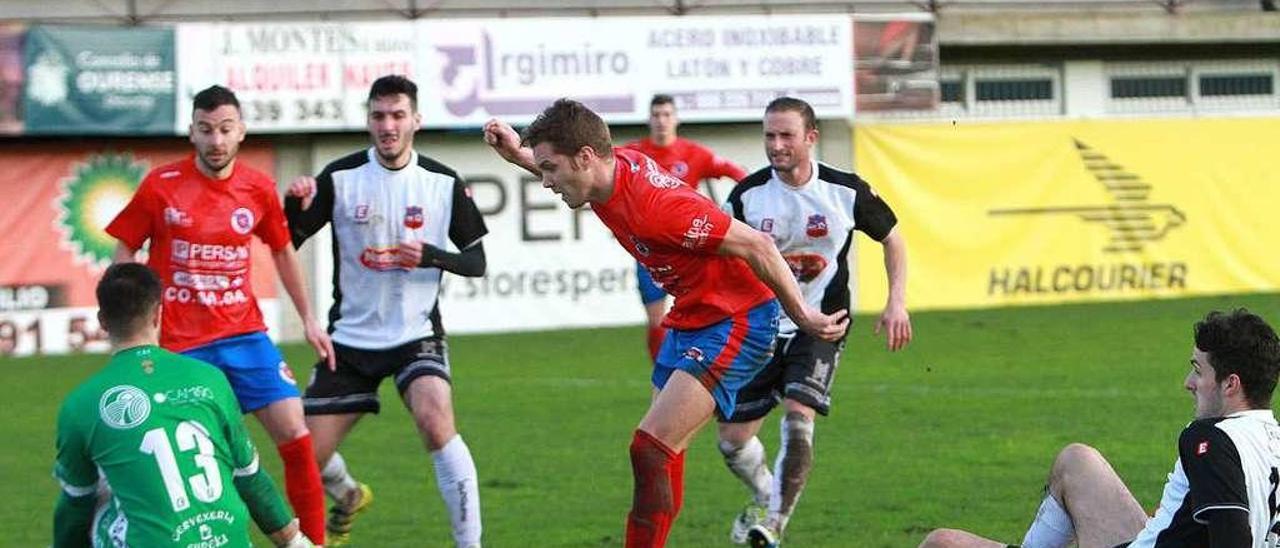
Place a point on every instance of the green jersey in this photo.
(165, 434)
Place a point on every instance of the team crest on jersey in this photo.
(124, 407)
(817, 227)
(680, 169)
(699, 230)
(414, 218)
(242, 220)
(361, 214)
(641, 248)
(766, 225)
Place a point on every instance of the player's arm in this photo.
(290, 271)
(255, 487)
(274, 231)
(134, 225)
(466, 227)
(895, 321)
(722, 167)
(758, 250)
(1215, 478)
(876, 219)
(506, 142)
(308, 205)
(78, 478)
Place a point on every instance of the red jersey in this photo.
(675, 233)
(200, 231)
(689, 161)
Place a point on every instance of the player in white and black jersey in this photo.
(395, 216)
(1223, 488)
(811, 210)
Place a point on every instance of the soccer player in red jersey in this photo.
(200, 215)
(723, 274)
(692, 163)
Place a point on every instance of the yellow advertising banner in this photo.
(1019, 213)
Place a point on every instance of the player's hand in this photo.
(896, 324)
(503, 138)
(828, 327)
(319, 340)
(290, 536)
(410, 254)
(303, 186)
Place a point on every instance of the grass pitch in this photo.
(957, 430)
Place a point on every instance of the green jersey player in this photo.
(151, 450)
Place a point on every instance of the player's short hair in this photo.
(568, 126)
(127, 294)
(791, 104)
(662, 99)
(394, 84)
(1242, 343)
(212, 97)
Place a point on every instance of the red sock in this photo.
(302, 484)
(652, 508)
(656, 335)
(677, 483)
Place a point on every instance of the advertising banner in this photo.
(99, 81)
(11, 78)
(895, 62)
(59, 198)
(294, 76)
(717, 68)
(1050, 212)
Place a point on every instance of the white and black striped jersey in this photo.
(812, 225)
(1225, 464)
(378, 304)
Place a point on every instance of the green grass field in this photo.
(957, 430)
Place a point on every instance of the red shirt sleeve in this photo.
(687, 220)
(135, 223)
(721, 167)
(273, 229)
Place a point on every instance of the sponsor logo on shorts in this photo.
(242, 220)
(694, 353)
(124, 407)
(641, 248)
(286, 374)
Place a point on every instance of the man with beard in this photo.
(810, 210)
(395, 216)
(201, 215)
(1222, 490)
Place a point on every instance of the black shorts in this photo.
(801, 369)
(353, 386)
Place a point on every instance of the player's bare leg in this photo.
(1101, 508)
(430, 400)
(284, 422)
(350, 497)
(745, 456)
(657, 457)
(955, 538)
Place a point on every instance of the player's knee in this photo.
(941, 538)
(1074, 460)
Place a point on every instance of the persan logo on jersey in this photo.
(183, 251)
(1132, 223)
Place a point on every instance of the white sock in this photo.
(338, 483)
(790, 468)
(456, 478)
(1052, 527)
(747, 462)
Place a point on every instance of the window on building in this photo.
(1222, 85)
(1014, 90)
(952, 91)
(1132, 87)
